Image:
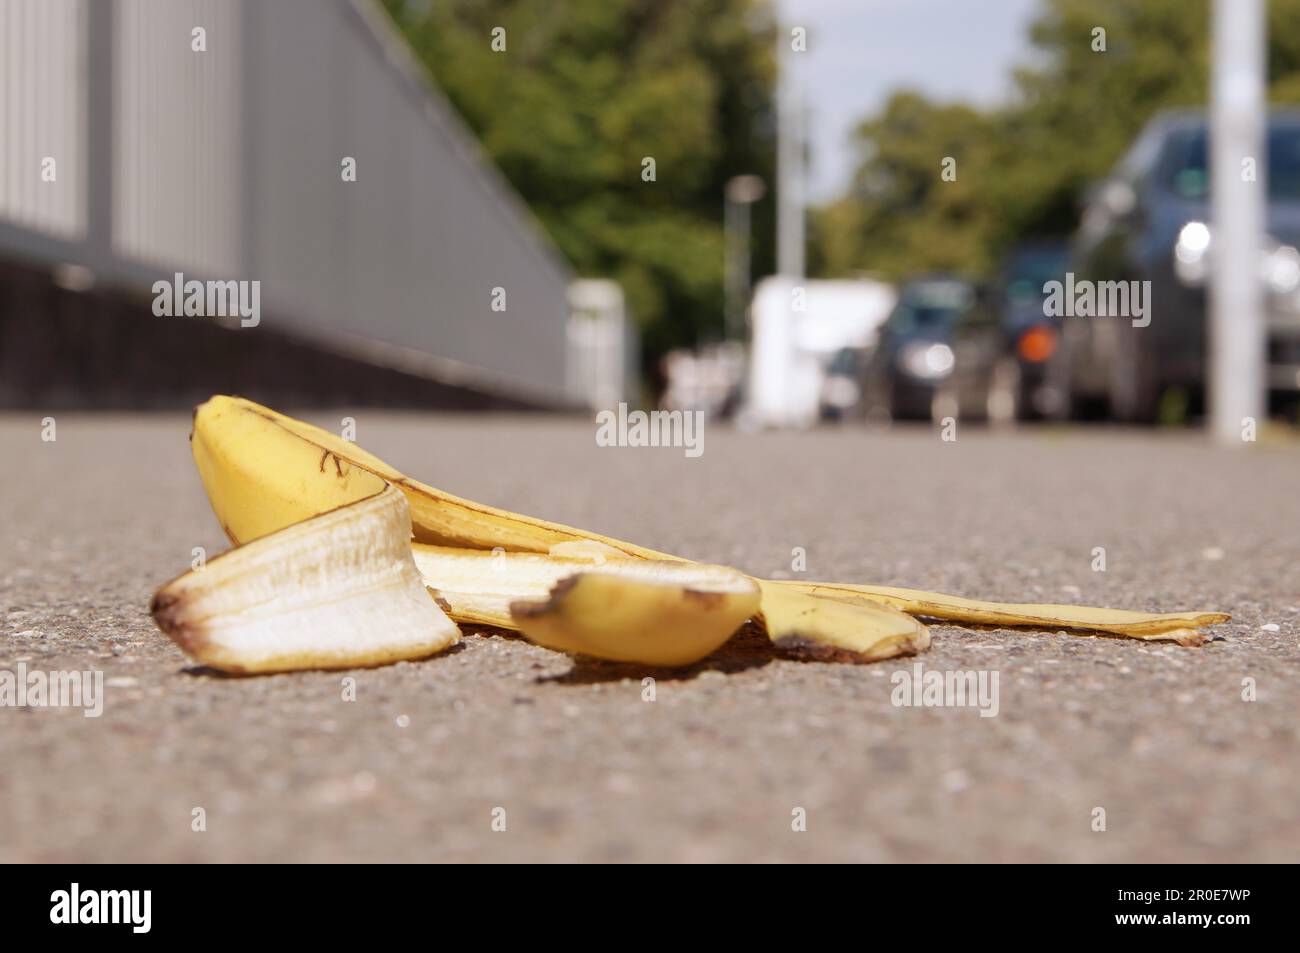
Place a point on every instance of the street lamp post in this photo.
(741, 192)
(789, 164)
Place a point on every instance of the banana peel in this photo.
(834, 627)
(437, 518)
(494, 588)
(627, 610)
(264, 471)
(338, 590)
(258, 484)
(673, 620)
(1181, 627)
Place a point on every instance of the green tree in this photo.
(583, 93)
(917, 200)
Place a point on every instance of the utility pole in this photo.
(742, 191)
(1238, 121)
(789, 163)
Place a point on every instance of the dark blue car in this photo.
(1150, 222)
(913, 358)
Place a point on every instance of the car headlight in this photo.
(1282, 270)
(1192, 253)
(926, 360)
(840, 392)
(1279, 265)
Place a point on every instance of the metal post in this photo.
(789, 160)
(1238, 117)
(741, 192)
(731, 241)
(742, 268)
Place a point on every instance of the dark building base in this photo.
(103, 349)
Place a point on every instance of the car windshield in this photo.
(1186, 166)
(931, 305)
(845, 361)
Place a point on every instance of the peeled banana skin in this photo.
(266, 482)
(338, 590)
(255, 464)
(1181, 627)
(855, 629)
(258, 484)
(437, 518)
(264, 471)
(672, 618)
(477, 586)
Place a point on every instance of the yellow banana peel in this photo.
(833, 627)
(1182, 627)
(675, 616)
(437, 518)
(582, 592)
(338, 590)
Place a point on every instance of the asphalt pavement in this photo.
(501, 750)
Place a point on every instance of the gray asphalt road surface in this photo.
(732, 752)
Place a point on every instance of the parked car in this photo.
(1150, 221)
(913, 357)
(841, 395)
(1004, 344)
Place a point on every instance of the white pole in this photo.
(772, 347)
(1238, 119)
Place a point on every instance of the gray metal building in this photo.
(210, 137)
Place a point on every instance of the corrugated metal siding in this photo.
(176, 134)
(226, 164)
(42, 113)
(409, 253)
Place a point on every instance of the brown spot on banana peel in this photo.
(169, 612)
(705, 600)
(443, 604)
(531, 608)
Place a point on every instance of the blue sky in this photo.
(859, 51)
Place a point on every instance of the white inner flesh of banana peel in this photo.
(339, 590)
